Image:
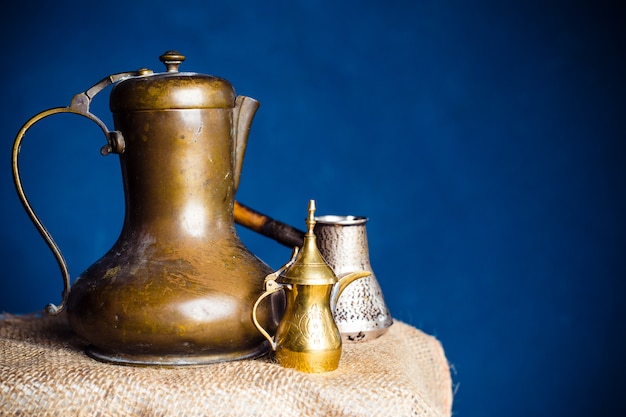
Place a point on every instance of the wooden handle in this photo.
(265, 225)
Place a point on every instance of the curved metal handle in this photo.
(115, 143)
(271, 286)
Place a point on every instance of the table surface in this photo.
(44, 372)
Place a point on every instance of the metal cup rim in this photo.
(332, 219)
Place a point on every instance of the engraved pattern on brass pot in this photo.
(307, 337)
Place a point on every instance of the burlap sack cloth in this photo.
(44, 372)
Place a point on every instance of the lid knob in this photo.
(172, 59)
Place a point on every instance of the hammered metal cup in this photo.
(361, 313)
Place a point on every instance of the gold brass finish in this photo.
(307, 338)
(178, 286)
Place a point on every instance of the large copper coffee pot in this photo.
(178, 286)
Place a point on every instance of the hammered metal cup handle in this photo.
(115, 143)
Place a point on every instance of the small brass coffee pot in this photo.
(178, 286)
(307, 337)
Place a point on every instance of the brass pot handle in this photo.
(115, 143)
(271, 286)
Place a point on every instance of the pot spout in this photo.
(343, 281)
(243, 113)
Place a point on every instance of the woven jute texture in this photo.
(44, 372)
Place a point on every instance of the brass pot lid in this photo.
(309, 267)
(171, 90)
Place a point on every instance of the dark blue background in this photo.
(485, 141)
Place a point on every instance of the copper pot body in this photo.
(178, 285)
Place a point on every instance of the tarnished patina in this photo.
(178, 286)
